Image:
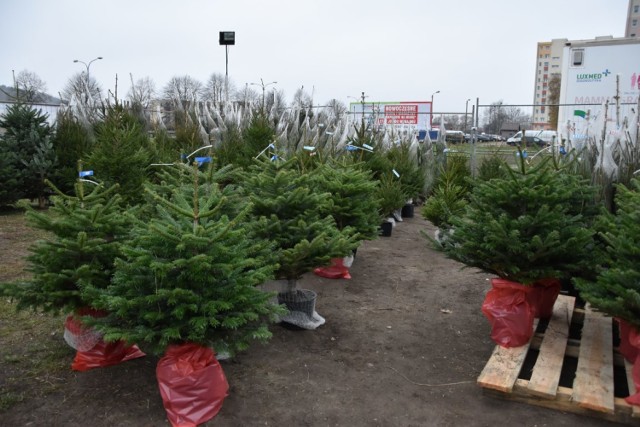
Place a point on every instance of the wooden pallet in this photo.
(592, 391)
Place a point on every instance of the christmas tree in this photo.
(616, 290)
(189, 273)
(86, 231)
(526, 226)
(353, 193)
(294, 215)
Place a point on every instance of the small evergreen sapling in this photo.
(86, 231)
(190, 272)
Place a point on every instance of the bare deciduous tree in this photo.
(183, 90)
(500, 114)
(81, 88)
(335, 109)
(142, 92)
(247, 95)
(215, 90)
(30, 87)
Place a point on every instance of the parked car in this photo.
(454, 136)
(480, 137)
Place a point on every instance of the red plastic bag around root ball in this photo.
(507, 308)
(192, 384)
(79, 336)
(543, 296)
(105, 354)
(633, 338)
(337, 270)
(626, 348)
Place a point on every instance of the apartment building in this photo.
(548, 63)
(633, 19)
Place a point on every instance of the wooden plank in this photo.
(546, 372)
(503, 367)
(593, 385)
(628, 367)
(563, 402)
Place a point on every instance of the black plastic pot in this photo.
(407, 211)
(385, 229)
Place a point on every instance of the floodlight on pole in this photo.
(227, 38)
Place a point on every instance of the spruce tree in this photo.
(293, 215)
(354, 196)
(525, 227)
(71, 144)
(190, 272)
(26, 135)
(616, 289)
(85, 233)
(122, 153)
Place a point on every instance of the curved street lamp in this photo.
(431, 119)
(264, 86)
(87, 66)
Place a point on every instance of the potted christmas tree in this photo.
(528, 230)
(616, 289)
(293, 216)
(86, 231)
(187, 285)
(391, 198)
(354, 206)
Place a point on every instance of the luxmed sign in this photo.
(591, 77)
(412, 115)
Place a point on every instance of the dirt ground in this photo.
(403, 344)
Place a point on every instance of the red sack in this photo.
(507, 308)
(543, 296)
(634, 341)
(192, 384)
(337, 270)
(105, 354)
(629, 352)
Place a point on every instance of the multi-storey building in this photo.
(549, 61)
(633, 19)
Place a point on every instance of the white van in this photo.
(539, 137)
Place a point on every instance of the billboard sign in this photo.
(406, 115)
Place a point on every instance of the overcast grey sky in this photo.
(400, 50)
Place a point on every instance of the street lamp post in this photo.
(466, 108)
(431, 118)
(87, 66)
(264, 86)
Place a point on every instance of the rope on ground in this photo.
(428, 385)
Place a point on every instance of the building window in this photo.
(577, 56)
(636, 8)
(542, 109)
(634, 22)
(544, 92)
